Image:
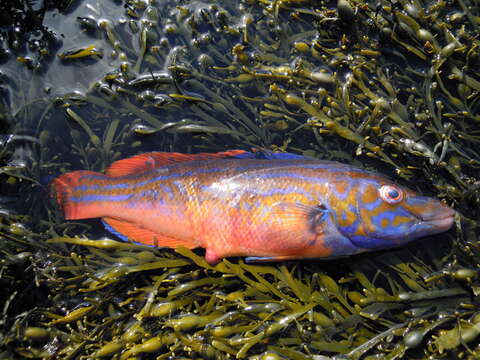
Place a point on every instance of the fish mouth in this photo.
(440, 221)
(442, 224)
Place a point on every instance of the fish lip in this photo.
(441, 222)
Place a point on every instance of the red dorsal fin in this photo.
(148, 161)
(127, 230)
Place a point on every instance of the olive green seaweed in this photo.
(390, 86)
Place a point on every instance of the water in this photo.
(365, 84)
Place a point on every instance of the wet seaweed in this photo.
(391, 86)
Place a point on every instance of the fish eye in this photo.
(391, 194)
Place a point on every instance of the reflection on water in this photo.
(389, 86)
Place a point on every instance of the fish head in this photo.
(379, 214)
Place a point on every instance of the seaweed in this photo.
(391, 86)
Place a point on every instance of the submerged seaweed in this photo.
(388, 85)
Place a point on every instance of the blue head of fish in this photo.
(374, 213)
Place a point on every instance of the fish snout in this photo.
(442, 218)
(437, 215)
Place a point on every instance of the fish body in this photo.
(235, 204)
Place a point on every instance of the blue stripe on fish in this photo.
(372, 205)
(114, 232)
(101, 197)
(389, 215)
(180, 187)
(289, 190)
(273, 191)
(167, 190)
(332, 167)
(283, 175)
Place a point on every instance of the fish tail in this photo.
(69, 190)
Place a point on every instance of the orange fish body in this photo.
(237, 203)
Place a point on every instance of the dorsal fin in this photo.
(149, 161)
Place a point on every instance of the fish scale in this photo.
(269, 206)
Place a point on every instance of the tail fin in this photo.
(69, 189)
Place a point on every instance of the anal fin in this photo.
(130, 231)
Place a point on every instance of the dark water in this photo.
(390, 86)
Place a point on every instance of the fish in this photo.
(264, 206)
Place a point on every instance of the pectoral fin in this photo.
(294, 229)
(300, 219)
